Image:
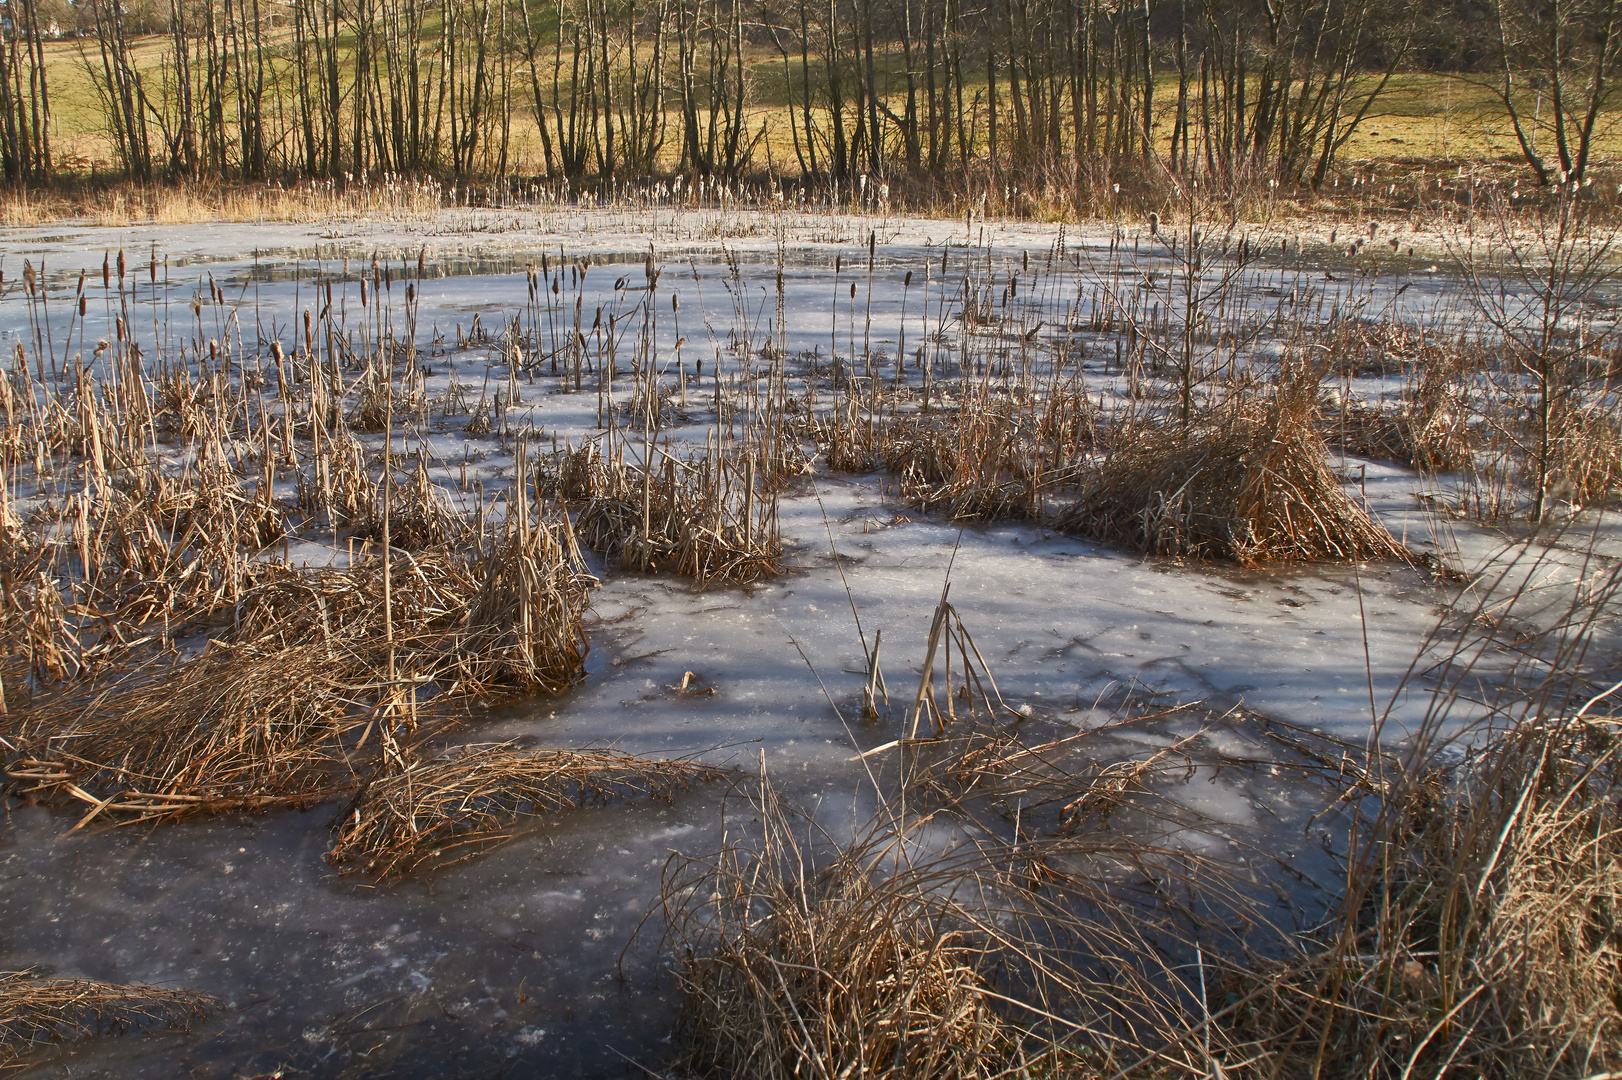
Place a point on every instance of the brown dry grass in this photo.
(125, 204)
(706, 518)
(977, 456)
(431, 812)
(35, 1010)
(1476, 934)
(1482, 939)
(268, 713)
(1250, 482)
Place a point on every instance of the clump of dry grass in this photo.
(706, 518)
(1432, 441)
(1481, 932)
(1249, 482)
(985, 458)
(997, 918)
(36, 1010)
(268, 712)
(237, 728)
(431, 812)
(1588, 454)
(839, 970)
(1389, 347)
(1428, 430)
(1474, 936)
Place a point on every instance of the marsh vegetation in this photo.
(347, 533)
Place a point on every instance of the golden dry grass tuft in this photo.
(430, 812)
(1480, 937)
(706, 518)
(789, 968)
(1250, 483)
(275, 709)
(36, 1010)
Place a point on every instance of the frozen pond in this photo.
(516, 963)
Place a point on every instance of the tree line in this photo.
(1081, 93)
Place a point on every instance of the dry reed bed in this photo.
(1250, 483)
(971, 929)
(1029, 907)
(1472, 935)
(431, 812)
(36, 1010)
(160, 661)
(704, 517)
(985, 456)
(268, 712)
(1479, 937)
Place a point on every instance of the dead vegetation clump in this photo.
(36, 1010)
(237, 728)
(1429, 441)
(431, 812)
(1033, 910)
(1588, 457)
(1358, 347)
(522, 627)
(984, 464)
(1055, 907)
(974, 928)
(267, 713)
(1249, 483)
(1480, 936)
(1429, 428)
(842, 967)
(985, 459)
(707, 518)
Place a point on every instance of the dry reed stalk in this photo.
(1250, 483)
(438, 811)
(35, 1010)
